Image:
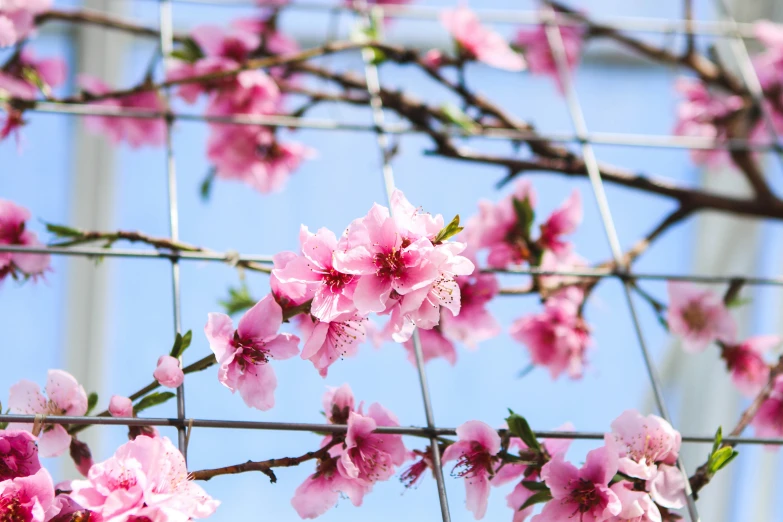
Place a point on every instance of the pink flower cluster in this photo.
(13, 231)
(353, 467)
(248, 153)
(17, 19)
(538, 52)
(478, 42)
(768, 421)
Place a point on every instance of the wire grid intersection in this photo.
(727, 27)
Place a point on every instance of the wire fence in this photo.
(727, 27)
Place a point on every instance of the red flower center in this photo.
(585, 497)
(694, 317)
(12, 510)
(249, 352)
(475, 462)
(335, 280)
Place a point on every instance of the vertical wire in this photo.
(166, 47)
(557, 48)
(376, 104)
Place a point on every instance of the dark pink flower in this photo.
(538, 52)
(768, 421)
(479, 42)
(369, 457)
(326, 342)
(27, 499)
(64, 396)
(581, 493)
(137, 132)
(13, 232)
(81, 456)
(244, 354)
(509, 471)
(698, 316)
(18, 454)
(169, 372)
(475, 453)
(474, 323)
(562, 222)
(320, 491)
(745, 361)
(288, 295)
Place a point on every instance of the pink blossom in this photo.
(326, 342)
(433, 58)
(516, 499)
(81, 456)
(69, 511)
(338, 403)
(18, 454)
(566, 261)
(433, 345)
(538, 52)
(475, 453)
(512, 470)
(413, 473)
(558, 337)
(17, 19)
(288, 295)
(169, 372)
(136, 131)
(330, 289)
(13, 232)
(698, 316)
(320, 491)
(562, 222)
(65, 397)
(584, 491)
(120, 406)
(478, 41)
(642, 443)
(667, 488)
(637, 505)
(28, 499)
(768, 421)
(769, 64)
(745, 361)
(144, 476)
(244, 354)
(474, 323)
(369, 457)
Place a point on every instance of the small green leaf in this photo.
(718, 440)
(181, 343)
(92, 402)
(519, 427)
(537, 498)
(525, 216)
(721, 458)
(450, 230)
(206, 185)
(63, 231)
(189, 52)
(738, 301)
(458, 117)
(239, 300)
(153, 399)
(533, 485)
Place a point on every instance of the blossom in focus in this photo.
(17, 19)
(768, 421)
(745, 361)
(475, 453)
(13, 231)
(28, 499)
(18, 454)
(698, 316)
(64, 396)
(244, 354)
(137, 132)
(144, 476)
(478, 41)
(637, 505)
(584, 491)
(120, 406)
(557, 337)
(327, 342)
(642, 443)
(320, 491)
(369, 457)
(169, 372)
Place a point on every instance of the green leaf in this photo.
(189, 52)
(181, 343)
(450, 230)
(239, 300)
(525, 216)
(720, 458)
(718, 440)
(537, 498)
(63, 231)
(533, 485)
(206, 185)
(519, 427)
(458, 117)
(153, 399)
(92, 402)
(738, 302)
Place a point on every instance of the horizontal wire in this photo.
(333, 428)
(596, 138)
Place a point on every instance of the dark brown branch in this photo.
(99, 19)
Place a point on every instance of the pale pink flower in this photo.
(768, 421)
(566, 261)
(413, 222)
(326, 342)
(642, 443)
(584, 491)
(244, 354)
(538, 52)
(18, 454)
(120, 406)
(320, 491)
(474, 323)
(146, 475)
(769, 64)
(338, 403)
(136, 131)
(28, 499)
(17, 19)
(169, 372)
(13, 232)
(65, 397)
(475, 452)
(637, 505)
(667, 488)
(288, 295)
(516, 499)
(369, 457)
(330, 289)
(374, 248)
(745, 361)
(562, 222)
(558, 337)
(433, 345)
(698, 316)
(478, 41)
